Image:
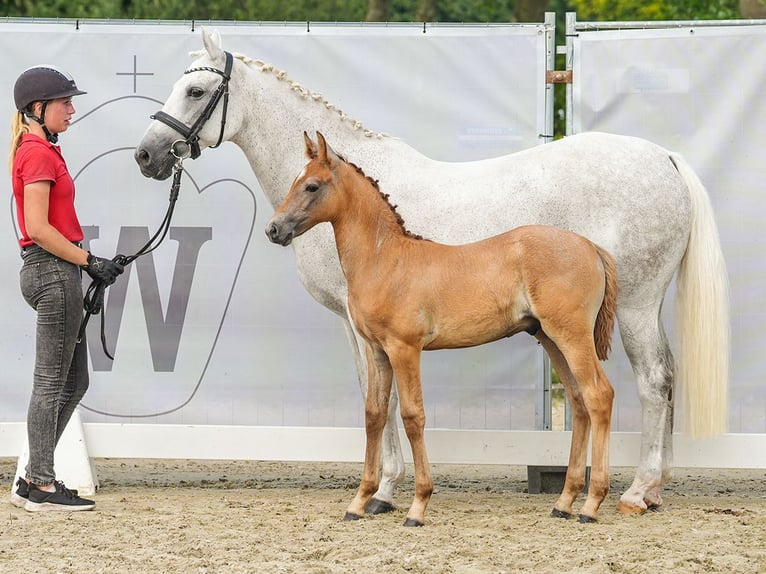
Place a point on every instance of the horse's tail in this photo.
(602, 331)
(702, 316)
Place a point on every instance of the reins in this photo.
(93, 301)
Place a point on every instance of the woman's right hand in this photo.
(101, 269)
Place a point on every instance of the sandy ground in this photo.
(199, 517)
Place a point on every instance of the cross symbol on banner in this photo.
(135, 73)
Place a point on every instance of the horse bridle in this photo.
(191, 134)
(93, 301)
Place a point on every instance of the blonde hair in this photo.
(19, 127)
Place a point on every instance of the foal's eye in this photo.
(312, 187)
(196, 93)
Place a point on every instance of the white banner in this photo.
(214, 328)
(699, 91)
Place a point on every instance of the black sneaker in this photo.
(60, 499)
(21, 494)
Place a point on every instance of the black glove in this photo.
(101, 269)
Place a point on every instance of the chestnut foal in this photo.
(407, 294)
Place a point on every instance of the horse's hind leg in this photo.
(649, 353)
(391, 448)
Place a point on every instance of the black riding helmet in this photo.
(42, 84)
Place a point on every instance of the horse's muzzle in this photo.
(155, 166)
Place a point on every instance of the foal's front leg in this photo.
(406, 364)
(380, 376)
(390, 449)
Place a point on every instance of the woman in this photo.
(50, 277)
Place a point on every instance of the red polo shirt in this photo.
(38, 160)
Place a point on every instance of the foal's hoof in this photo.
(351, 516)
(583, 519)
(412, 522)
(556, 513)
(376, 506)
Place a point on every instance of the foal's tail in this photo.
(602, 331)
(703, 316)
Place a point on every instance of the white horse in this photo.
(641, 202)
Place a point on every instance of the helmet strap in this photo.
(51, 137)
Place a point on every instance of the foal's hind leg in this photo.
(575, 476)
(591, 396)
(649, 353)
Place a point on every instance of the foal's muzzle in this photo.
(278, 235)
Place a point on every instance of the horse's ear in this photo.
(311, 149)
(325, 152)
(212, 43)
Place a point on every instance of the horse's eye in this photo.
(312, 187)
(196, 93)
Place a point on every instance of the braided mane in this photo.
(297, 88)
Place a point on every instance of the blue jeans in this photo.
(53, 288)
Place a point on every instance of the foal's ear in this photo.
(326, 153)
(311, 149)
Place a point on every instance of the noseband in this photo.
(191, 134)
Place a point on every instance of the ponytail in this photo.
(18, 128)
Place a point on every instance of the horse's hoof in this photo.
(556, 513)
(583, 519)
(376, 506)
(350, 516)
(627, 508)
(652, 505)
(412, 522)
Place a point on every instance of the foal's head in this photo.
(310, 199)
(317, 195)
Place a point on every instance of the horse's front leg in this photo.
(375, 415)
(406, 364)
(391, 448)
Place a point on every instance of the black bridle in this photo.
(93, 302)
(191, 134)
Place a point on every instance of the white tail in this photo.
(703, 317)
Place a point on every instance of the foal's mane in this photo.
(385, 197)
(306, 94)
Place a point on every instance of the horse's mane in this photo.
(386, 198)
(297, 88)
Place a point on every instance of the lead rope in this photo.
(93, 302)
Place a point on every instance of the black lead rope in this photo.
(93, 302)
(187, 147)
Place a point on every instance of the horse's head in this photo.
(196, 115)
(310, 198)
